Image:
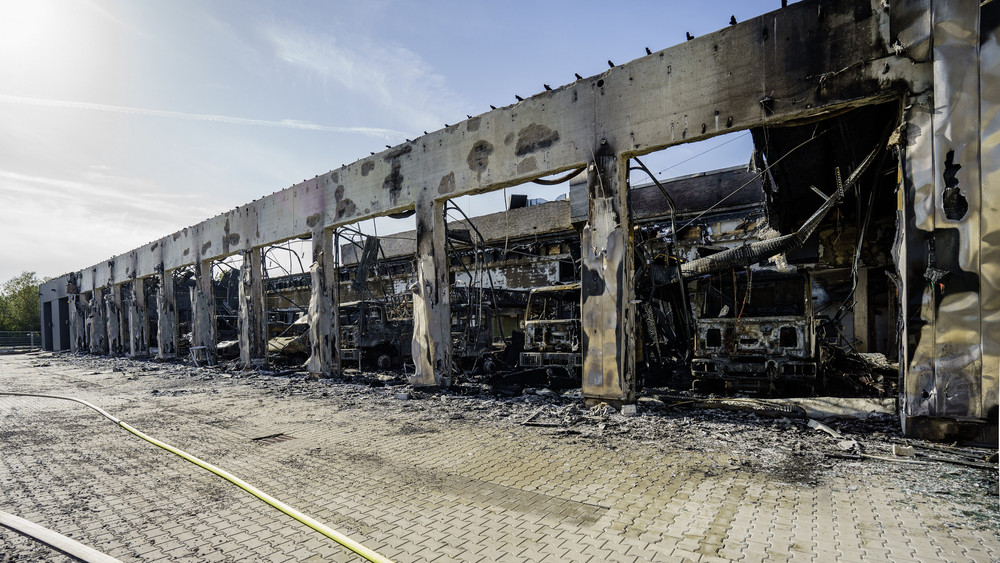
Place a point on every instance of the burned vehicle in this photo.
(757, 335)
(483, 328)
(291, 345)
(552, 330)
(374, 334)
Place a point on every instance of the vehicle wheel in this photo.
(384, 361)
(489, 366)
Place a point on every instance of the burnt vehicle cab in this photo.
(369, 336)
(761, 339)
(552, 328)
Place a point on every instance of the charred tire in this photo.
(384, 361)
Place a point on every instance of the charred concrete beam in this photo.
(608, 288)
(431, 299)
(77, 315)
(324, 316)
(113, 316)
(77, 323)
(252, 319)
(808, 59)
(138, 320)
(97, 332)
(166, 313)
(203, 325)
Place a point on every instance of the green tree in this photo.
(19, 303)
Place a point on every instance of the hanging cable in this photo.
(766, 169)
(703, 153)
(559, 180)
(681, 285)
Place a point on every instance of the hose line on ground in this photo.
(303, 518)
(55, 540)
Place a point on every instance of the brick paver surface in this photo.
(415, 485)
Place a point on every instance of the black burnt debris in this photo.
(797, 443)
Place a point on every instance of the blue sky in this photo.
(122, 121)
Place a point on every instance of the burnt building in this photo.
(865, 114)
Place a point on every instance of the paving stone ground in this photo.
(416, 486)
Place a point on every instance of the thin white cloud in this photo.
(399, 81)
(285, 123)
(51, 223)
(114, 193)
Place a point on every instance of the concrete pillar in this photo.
(166, 314)
(113, 319)
(97, 332)
(252, 318)
(431, 300)
(324, 316)
(121, 296)
(203, 327)
(607, 311)
(138, 320)
(77, 323)
(861, 310)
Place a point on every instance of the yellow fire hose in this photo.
(307, 520)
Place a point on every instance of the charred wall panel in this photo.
(945, 226)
